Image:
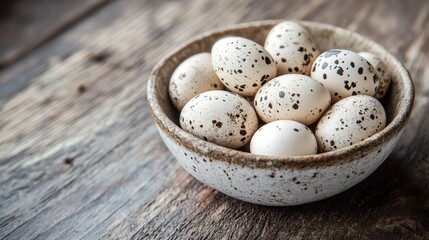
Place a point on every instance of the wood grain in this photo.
(27, 24)
(80, 157)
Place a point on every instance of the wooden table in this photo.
(80, 157)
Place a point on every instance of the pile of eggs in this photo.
(284, 98)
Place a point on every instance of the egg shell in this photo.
(283, 138)
(383, 75)
(242, 65)
(292, 47)
(193, 76)
(292, 97)
(220, 117)
(345, 73)
(350, 121)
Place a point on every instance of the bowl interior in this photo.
(398, 101)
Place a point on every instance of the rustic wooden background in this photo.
(80, 157)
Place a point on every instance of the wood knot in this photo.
(69, 161)
(81, 88)
(100, 57)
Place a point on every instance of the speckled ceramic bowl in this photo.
(280, 181)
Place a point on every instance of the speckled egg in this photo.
(350, 121)
(193, 76)
(242, 65)
(292, 97)
(220, 117)
(292, 48)
(283, 138)
(345, 73)
(383, 75)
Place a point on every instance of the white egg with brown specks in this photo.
(345, 73)
(283, 138)
(242, 65)
(292, 47)
(292, 97)
(220, 117)
(383, 75)
(350, 121)
(193, 76)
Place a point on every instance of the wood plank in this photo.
(80, 156)
(27, 24)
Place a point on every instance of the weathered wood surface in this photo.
(80, 157)
(27, 24)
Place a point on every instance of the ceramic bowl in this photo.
(280, 181)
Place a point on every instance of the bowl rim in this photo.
(339, 156)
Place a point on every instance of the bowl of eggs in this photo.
(280, 113)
